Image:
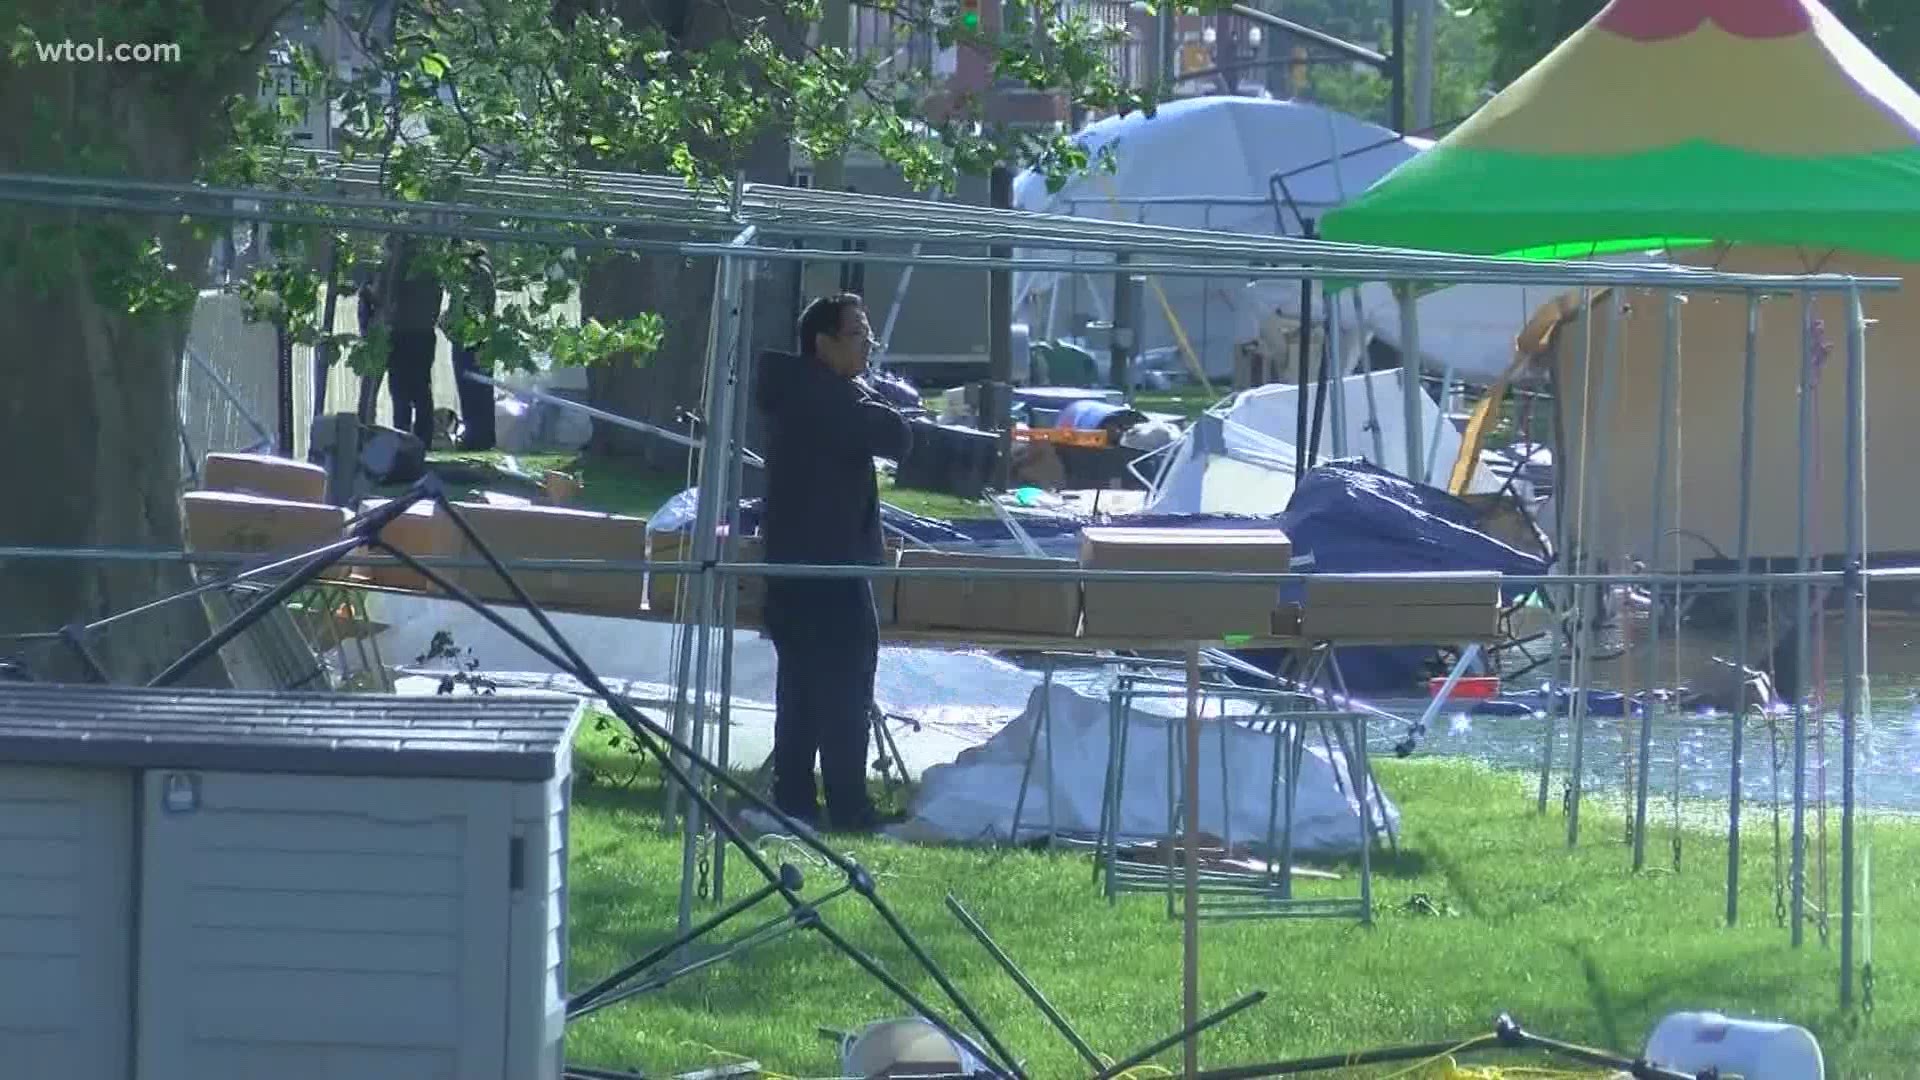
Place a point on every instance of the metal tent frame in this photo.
(743, 224)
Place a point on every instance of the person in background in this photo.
(411, 338)
(368, 293)
(476, 398)
(822, 507)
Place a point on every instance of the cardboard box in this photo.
(265, 475)
(1173, 611)
(1424, 624)
(1043, 608)
(668, 594)
(1379, 590)
(423, 532)
(226, 521)
(548, 532)
(665, 591)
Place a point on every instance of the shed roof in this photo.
(467, 737)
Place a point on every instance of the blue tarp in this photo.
(1350, 517)
(1345, 517)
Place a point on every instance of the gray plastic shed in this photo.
(213, 885)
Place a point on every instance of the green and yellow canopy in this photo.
(1671, 123)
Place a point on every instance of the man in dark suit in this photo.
(476, 398)
(822, 507)
(411, 333)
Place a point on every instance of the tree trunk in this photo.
(653, 389)
(89, 423)
(659, 388)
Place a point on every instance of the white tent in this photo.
(1212, 163)
(973, 799)
(1238, 458)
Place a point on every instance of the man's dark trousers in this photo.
(410, 382)
(827, 639)
(476, 402)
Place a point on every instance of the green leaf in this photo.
(435, 65)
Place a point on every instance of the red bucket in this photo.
(1469, 688)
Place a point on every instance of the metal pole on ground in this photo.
(1669, 376)
(1372, 426)
(1592, 478)
(1305, 445)
(1315, 439)
(1410, 412)
(1430, 457)
(714, 461)
(1336, 348)
(736, 460)
(1734, 786)
(1803, 644)
(1563, 536)
(1302, 383)
(1121, 339)
(1856, 695)
(1190, 950)
(683, 588)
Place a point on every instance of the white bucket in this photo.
(884, 1048)
(1753, 1049)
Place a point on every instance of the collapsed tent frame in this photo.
(753, 218)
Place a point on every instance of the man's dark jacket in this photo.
(823, 432)
(479, 299)
(416, 292)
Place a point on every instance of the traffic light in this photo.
(970, 14)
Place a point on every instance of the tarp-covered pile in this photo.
(1352, 518)
(1238, 458)
(973, 798)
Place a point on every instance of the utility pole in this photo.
(1398, 68)
(1169, 64)
(829, 174)
(998, 400)
(1423, 65)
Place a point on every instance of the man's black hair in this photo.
(826, 316)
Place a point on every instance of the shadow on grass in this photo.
(1618, 1015)
(1388, 863)
(1459, 885)
(636, 797)
(791, 961)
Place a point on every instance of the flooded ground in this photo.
(1701, 742)
(965, 697)
(1888, 765)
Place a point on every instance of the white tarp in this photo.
(973, 798)
(957, 699)
(1229, 150)
(1239, 457)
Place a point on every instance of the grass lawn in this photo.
(1571, 943)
